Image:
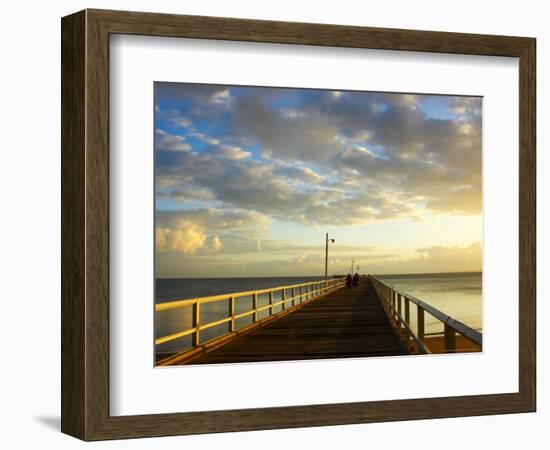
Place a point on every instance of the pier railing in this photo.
(291, 296)
(397, 305)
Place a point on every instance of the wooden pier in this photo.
(318, 320)
(344, 323)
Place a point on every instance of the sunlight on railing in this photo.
(291, 296)
(398, 305)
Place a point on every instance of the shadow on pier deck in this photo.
(344, 323)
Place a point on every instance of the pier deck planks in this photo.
(349, 322)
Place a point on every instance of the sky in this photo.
(249, 179)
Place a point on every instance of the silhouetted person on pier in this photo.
(348, 280)
(356, 280)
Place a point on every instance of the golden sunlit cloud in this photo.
(252, 178)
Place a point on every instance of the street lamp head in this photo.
(333, 240)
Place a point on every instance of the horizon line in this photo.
(318, 276)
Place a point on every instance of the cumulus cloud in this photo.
(200, 100)
(220, 97)
(215, 220)
(284, 192)
(182, 122)
(467, 108)
(297, 173)
(370, 139)
(216, 243)
(212, 246)
(301, 136)
(166, 91)
(203, 231)
(204, 138)
(230, 152)
(187, 238)
(238, 159)
(168, 189)
(170, 142)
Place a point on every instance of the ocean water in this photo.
(170, 289)
(172, 321)
(455, 294)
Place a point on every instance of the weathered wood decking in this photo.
(344, 323)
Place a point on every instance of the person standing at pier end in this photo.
(348, 280)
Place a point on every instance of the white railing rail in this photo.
(397, 305)
(299, 294)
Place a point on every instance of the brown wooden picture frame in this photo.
(85, 224)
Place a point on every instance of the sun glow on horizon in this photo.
(249, 179)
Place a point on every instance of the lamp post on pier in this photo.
(352, 263)
(326, 254)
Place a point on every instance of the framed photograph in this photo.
(273, 225)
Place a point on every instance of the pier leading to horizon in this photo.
(318, 320)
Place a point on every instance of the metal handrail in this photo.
(306, 294)
(392, 301)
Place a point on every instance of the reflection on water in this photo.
(455, 294)
(172, 321)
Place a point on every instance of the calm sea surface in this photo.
(455, 294)
(172, 321)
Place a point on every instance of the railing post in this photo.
(232, 314)
(196, 324)
(394, 303)
(420, 323)
(408, 321)
(450, 339)
(398, 297)
(398, 303)
(391, 299)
